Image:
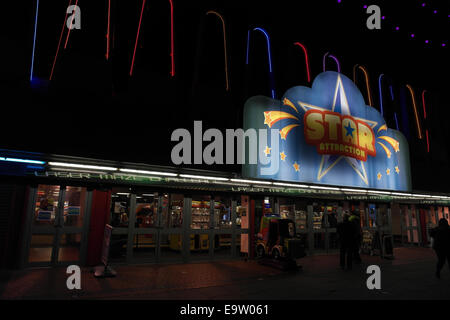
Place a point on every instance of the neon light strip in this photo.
(107, 31)
(423, 104)
(270, 58)
(306, 59)
(71, 21)
(137, 37)
(22, 160)
(203, 177)
(381, 93)
(268, 46)
(172, 45)
(149, 172)
(248, 44)
(354, 72)
(290, 185)
(353, 190)
(34, 40)
(411, 91)
(337, 62)
(428, 142)
(369, 95)
(324, 61)
(82, 166)
(323, 188)
(227, 85)
(392, 93)
(251, 181)
(59, 42)
(396, 121)
(334, 58)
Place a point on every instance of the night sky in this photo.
(93, 108)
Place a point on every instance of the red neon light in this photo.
(172, 47)
(107, 32)
(306, 59)
(428, 142)
(68, 33)
(59, 43)
(423, 104)
(137, 37)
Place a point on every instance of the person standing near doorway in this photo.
(347, 238)
(441, 244)
(354, 218)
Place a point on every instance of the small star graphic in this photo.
(396, 147)
(379, 176)
(283, 156)
(296, 166)
(283, 135)
(388, 171)
(267, 150)
(397, 169)
(349, 130)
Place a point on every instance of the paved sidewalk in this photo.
(409, 276)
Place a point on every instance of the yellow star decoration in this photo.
(283, 156)
(267, 150)
(296, 166)
(379, 176)
(388, 171)
(397, 169)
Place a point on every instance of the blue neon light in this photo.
(22, 160)
(396, 121)
(248, 44)
(270, 58)
(392, 93)
(34, 40)
(381, 94)
(268, 46)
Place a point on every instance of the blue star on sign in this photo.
(349, 130)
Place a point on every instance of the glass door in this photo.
(58, 217)
(172, 223)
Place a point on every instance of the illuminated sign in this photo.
(333, 133)
(328, 135)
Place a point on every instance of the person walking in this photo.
(441, 244)
(354, 218)
(347, 238)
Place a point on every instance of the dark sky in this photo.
(92, 107)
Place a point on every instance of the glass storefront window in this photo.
(242, 209)
(172, 210)
(331, 216)
(222, 213)
(46, 205)
(222, 245)
(171, 246)
(144, 246)
(69, 247)
(200, 218)
(120, 208)
(146, 210)
(41, 247)
(300, 218)
(199, 245)
(74, 206)
(318, 217)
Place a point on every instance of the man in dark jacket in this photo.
(347, 238)
(441, 236)
(354, 218)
